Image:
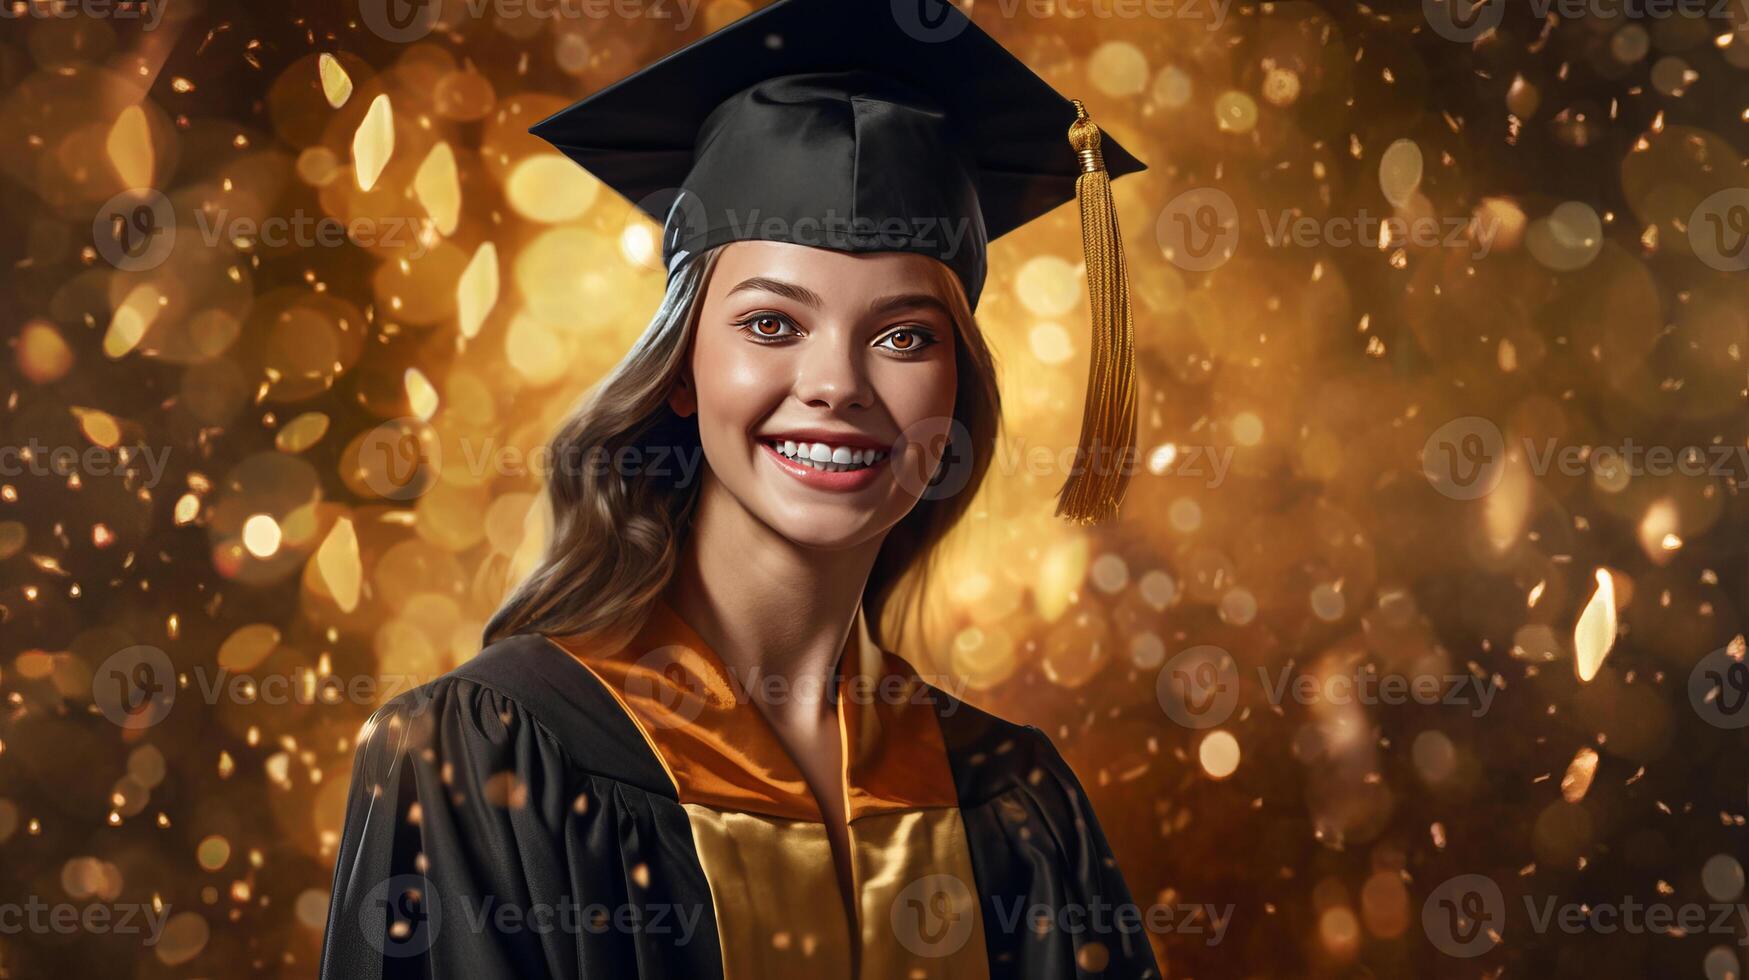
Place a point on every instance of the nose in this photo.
(831, 373)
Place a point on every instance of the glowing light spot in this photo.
(1050, 343)
(547, 187)
(1235, 112)
(1400, 169)
(1247, 429)
(99, 427)
(1118, 68)
(213, 852)
(1219, 754)
(261, 535)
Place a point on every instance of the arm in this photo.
(454, 825)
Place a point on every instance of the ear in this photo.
(682, 399)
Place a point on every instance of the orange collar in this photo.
(721, 752)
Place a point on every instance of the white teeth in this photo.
(833, 459)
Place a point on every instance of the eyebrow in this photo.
(800, 294)
(807, 297)
(909, 301)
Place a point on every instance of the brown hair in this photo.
(616, 537)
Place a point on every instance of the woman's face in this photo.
(824, 384)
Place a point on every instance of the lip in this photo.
(846, 481)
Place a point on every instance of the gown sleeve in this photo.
(506, 821)
(454, 816)
(1055, 904)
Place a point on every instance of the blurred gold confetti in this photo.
(1594, 633)
(421, 396)
(130, 148)
(438, 188)
(373, 143)
(477, 290)
(1577, 780)
(336, 84)
(337, 560)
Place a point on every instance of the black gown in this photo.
(548, 810)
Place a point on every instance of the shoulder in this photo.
(991, 755)
(518, 689)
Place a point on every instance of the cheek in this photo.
(917, 393)
(736, 386)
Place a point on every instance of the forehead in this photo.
(834, 274)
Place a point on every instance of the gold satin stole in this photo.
(760, 834)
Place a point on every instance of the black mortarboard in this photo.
(873, 125)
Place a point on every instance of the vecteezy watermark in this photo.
(1206, 464)
(1466, 458)
(402, 917)
(301, 230)
(1466, 20)
(1098, 918)
(937, 20)
(34, 916)
(933, 917)
(1366, 230)
(676, 683)
(1199, 687)
(1718, 687)
(405, 21)
(402, 459)
(1468, 915)
(148, 12)
(1718, 230)
(1199, 230)
(136, 687)
(37, 459)
(942, 236)
(136, 230)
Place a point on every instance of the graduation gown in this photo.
(551, 810)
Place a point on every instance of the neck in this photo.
(767, 605)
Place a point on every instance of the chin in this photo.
(825, 526)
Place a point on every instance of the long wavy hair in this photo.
(616, 536)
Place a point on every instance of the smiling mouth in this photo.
(828, 458)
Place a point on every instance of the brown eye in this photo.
(906, 341)
(768, 327)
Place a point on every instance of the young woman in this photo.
(683, 751)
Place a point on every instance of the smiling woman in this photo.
(685, 723)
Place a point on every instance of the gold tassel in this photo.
(1107, 453)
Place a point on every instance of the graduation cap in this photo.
(874, 125)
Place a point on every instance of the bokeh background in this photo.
(300, 471)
